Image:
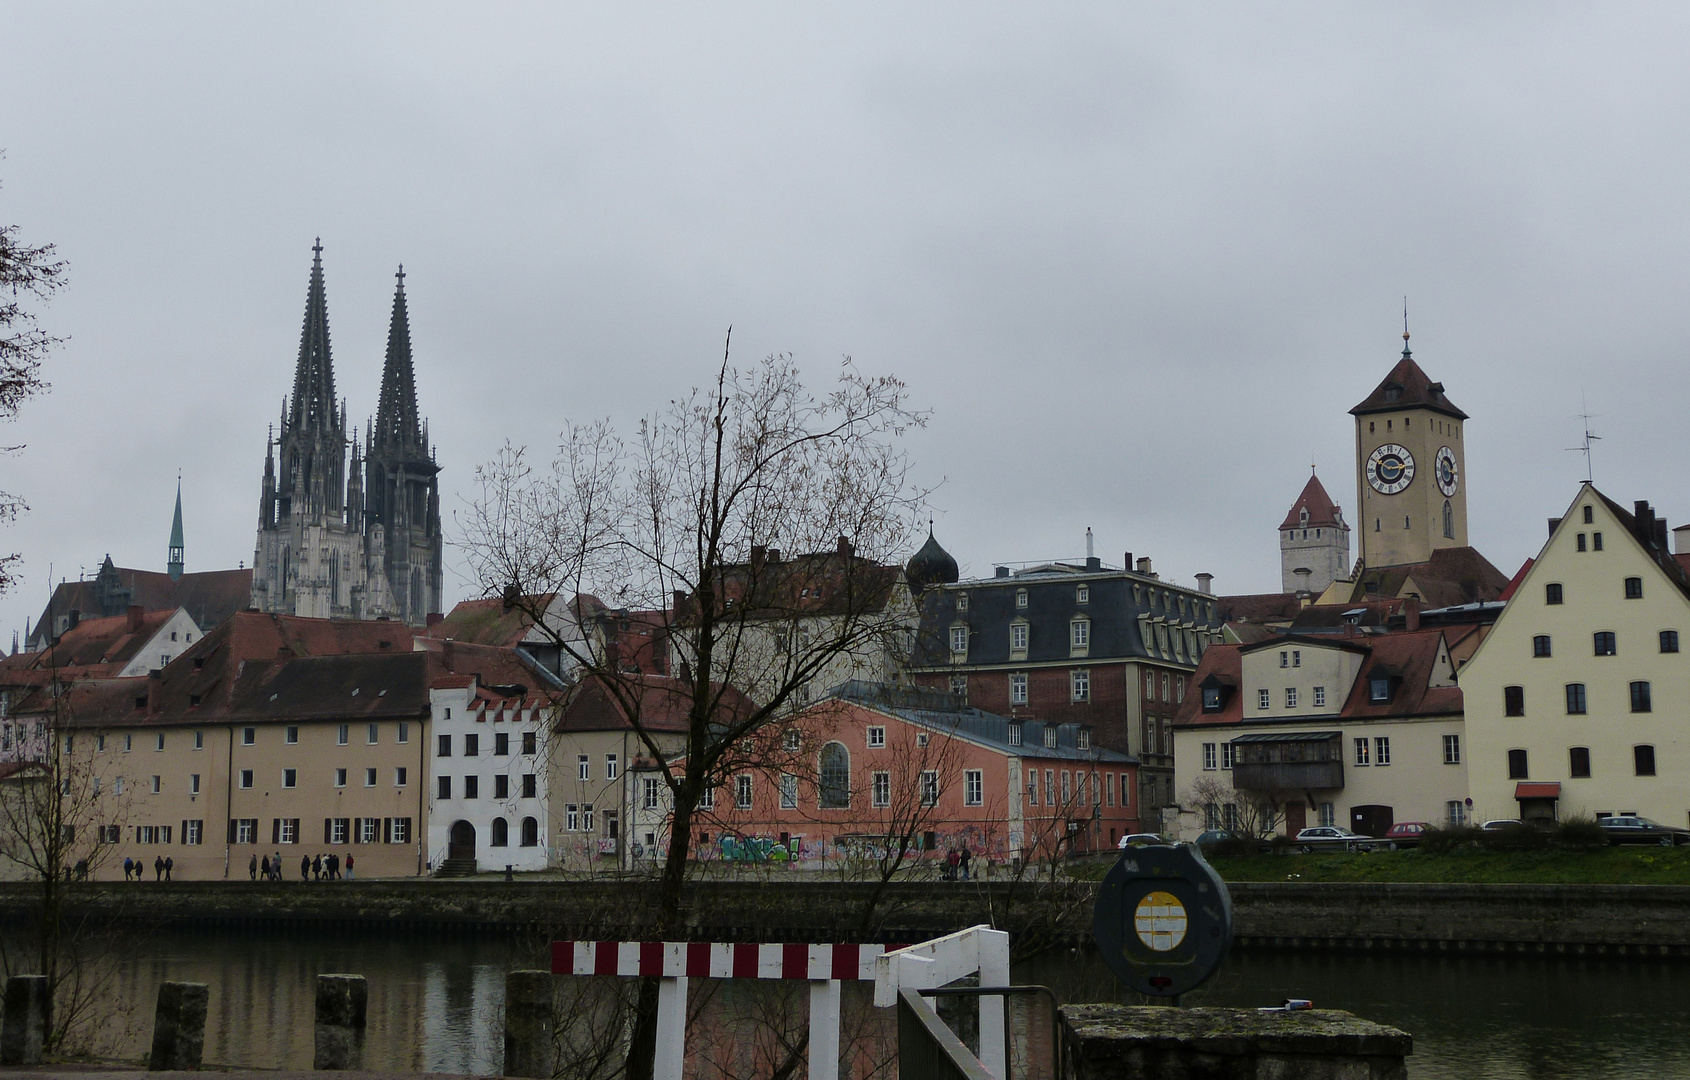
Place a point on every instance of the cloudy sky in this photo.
(1138, 260)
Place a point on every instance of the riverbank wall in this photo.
(1652, 920)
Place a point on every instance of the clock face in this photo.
(1446, 472)
(1390, 469)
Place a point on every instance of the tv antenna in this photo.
(1584, 447)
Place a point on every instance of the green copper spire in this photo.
(175, 566)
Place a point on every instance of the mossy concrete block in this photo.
(178, 1027)
(1115, 1042)
(23, 1020)
(342, 1011)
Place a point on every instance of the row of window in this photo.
(471, 787)
(1375, 750)
(1578, 704)
(246, 778)
(1603, 642)
(393, 830)
(471, 744)
(1578, 762)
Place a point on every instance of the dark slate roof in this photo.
(1322, 510)
(943, 713)
(1051, 604)
(1407, 387)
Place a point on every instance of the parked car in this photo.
(1630, 829)
(1140, 839)
(1405, 834)
(1332, 838)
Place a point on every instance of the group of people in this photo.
(136, 870)
(956, 864)
(311, 868)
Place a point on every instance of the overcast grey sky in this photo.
(1138, 260)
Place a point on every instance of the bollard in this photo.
(178, 1027)
(528, 1024)
(342, 1004)
(23, 1020)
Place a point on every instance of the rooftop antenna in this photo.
(1584, 448)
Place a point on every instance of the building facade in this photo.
(1109, 649)
(1577, 702)
(1360, 731)
(358, 543)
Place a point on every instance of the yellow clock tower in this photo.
(1411, 474)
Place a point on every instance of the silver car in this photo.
(1332, 838)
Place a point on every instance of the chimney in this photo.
(135, 612)
(1206, 584)
(1144, 567)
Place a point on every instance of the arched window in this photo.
(835, 777)
(1449, 520)
(530, 832)
(501, 833)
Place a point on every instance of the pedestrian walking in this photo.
(348, 866)
(158, 868)
(305, 868)
(169, 865)
(252, 868)
(962, 862)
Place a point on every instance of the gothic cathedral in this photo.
(1410, 469)
(334, 544)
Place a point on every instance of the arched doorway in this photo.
(462, 843)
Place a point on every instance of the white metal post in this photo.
(824, 1029)
(994, 971)
(671, 1028)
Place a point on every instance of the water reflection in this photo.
(436, 1001)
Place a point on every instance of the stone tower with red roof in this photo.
(1314, 542)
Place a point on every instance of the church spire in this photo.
(176, 545)
(396, 413)
(313, 405)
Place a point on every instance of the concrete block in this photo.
(528, 1024)
(178, 1027)
(23, 1025)
(342, 1012)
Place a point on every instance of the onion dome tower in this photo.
(930, 566)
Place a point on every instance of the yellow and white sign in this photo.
(1160, 921)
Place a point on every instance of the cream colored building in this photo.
(1577, 702)
(1359, 731)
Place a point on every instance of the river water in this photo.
(435, 1003)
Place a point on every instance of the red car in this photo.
(1404, 834)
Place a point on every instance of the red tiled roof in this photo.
(1413, 390)
(1322, 510)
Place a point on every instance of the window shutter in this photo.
(328, 824)
(231, 830)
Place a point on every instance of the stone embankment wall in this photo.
(1561, 919)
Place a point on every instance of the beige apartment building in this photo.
(1577, 702)
(1360, 731)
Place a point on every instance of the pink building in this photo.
(872, 767)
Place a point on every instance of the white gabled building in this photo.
(488, 772)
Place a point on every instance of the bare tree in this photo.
(691, 517)
(26, 273)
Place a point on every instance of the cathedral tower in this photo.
(1410, 469)
(1314, 542)
(401, 515)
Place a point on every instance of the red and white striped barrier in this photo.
(717, 960)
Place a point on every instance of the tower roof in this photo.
(314, 399)
(1407, 387)
(932, 565)
(396, 413)
(1322, 510)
